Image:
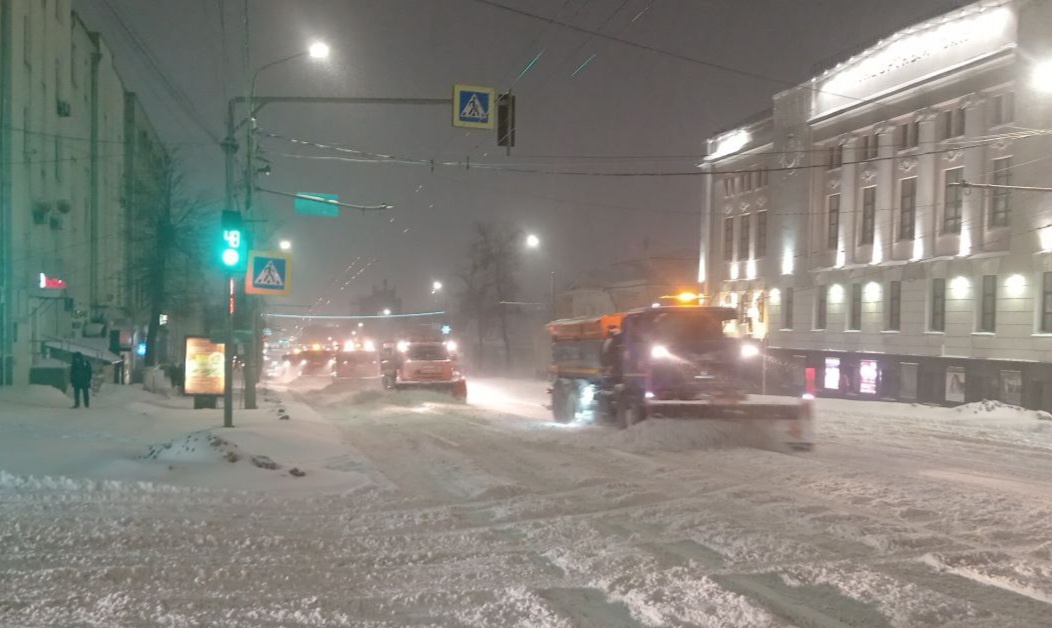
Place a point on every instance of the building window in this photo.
(855, 316)
(869, 215)
(58, 159)
(988, 309)
(74, 59)
(835, 157)
(907, 208)
(728, 239)
(822, 307)
(764, 176)
(870, 146)
(832, 221)
(953, 201)
(744, 237)
(1046, 303)
(1003, 108)
(952, 123)
(1000, 199)
(761, 235)
(894, 322)
(938, 305)
(787, 307)
(909, 135)
(831, 376)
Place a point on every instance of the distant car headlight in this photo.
(749, 350)
(660, 352)
(369, 345)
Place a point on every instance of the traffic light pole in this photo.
(228, 356)
(229, 147)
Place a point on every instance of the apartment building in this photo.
(65, 215)
(872, 229)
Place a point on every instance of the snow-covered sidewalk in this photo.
(418, 511)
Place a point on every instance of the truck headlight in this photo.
(749, 350)
(660, 352)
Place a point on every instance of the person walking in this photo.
(80, 377)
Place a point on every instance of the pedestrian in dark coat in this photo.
(80, 377)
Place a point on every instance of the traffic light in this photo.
(232, 246)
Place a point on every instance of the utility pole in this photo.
(229, 148)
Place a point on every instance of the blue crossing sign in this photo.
(267, 273)
(473, 106)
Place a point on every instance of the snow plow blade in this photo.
(798, 416)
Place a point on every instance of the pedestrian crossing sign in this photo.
(473, 106)
(268, 273)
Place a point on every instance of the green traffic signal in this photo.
(232, 242)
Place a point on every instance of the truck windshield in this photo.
(427, 352)
(683, 327)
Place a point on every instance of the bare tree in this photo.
(490, 282)
(170, 230)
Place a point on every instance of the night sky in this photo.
(625, 101)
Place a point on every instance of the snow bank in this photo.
(684, 434)
(34, 395)
(992, 409)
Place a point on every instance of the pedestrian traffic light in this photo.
(232, 246)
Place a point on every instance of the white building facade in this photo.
(834, 222)
(65, 216)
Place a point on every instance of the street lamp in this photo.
(532, 241)
(285, 245)
(436, 287)
(387, 311)
(318, 50)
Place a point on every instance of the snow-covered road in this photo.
(491, 515)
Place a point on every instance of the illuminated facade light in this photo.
(872, 291)
(730, 144)
(734, 270)
(787, 261)
(836, 293)
(750, 269)
(878, 251)
(1041, 76)
(918, 249)
(841, 258)
(959, 287)
(1046, 239)
(1015, 285)
(965, 243)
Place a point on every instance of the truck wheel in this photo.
(630, 411)
(460, 391)
(564, 401)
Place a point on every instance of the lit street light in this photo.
(319, 50)
(387, 311)
(436, 287)
(532, 241)
(285, 245)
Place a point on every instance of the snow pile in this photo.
(35, 395)
(990, 408)
(684, 434)
(205, 446)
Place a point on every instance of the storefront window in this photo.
(868, 374)
(831, 379)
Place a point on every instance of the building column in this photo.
(972, 220)
(849, 202)
(925, 230)
(884, 233)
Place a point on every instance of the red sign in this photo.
(51, 283)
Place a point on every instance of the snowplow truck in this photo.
(667, 361)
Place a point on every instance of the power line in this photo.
(371, 157)
(177, 95)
